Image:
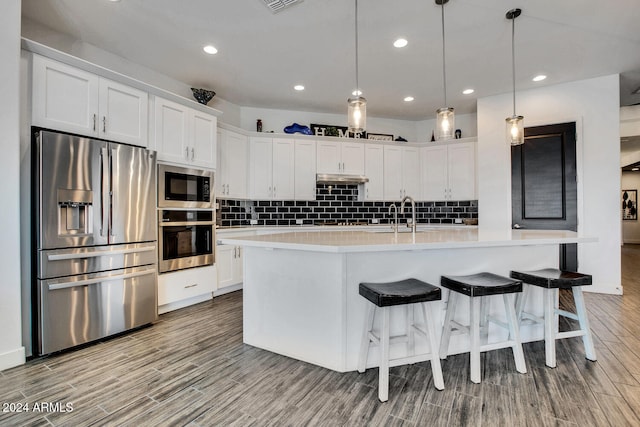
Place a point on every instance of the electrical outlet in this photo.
(299, 221)
(253, 222)
(375, 221)
(457, 220)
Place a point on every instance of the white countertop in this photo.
(343, 241)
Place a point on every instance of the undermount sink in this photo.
(401, 230)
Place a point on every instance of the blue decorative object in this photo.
(203, 96)
(298, 128)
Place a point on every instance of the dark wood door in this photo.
(543, 183)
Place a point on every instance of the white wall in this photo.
(594, 105)
(630, 229)
(11, 350)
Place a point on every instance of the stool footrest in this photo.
(497, 345)
(498, 322)
(570, 334)
(459, 327)
(568, 314)
(532, 318)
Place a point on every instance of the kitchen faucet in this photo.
(395, 217)
(413, 213)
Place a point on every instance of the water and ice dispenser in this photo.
(74, 212)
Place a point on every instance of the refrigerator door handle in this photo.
(62, 257)
(111, 204)
(104, 154)
(93, 281)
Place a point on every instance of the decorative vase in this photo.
(203, 96)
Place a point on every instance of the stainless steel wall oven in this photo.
(186, 239)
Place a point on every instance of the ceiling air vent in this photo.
(278, 5)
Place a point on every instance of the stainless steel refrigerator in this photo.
(95, 231)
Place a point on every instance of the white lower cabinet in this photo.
(229, 262)
(185, 287)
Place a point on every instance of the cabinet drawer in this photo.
(180, 285)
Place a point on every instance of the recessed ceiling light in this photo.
(298, 87)
(114, 0)
(408, 98)
(468, 91)
(400, 43)
(635, 169)
(539, 78)
(211, 50)
(356, 92)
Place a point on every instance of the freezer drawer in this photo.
(88, 307)
(69, 262)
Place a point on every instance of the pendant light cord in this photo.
(357, 83)
(513, 61)
(444, 67)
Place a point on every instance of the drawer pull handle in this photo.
(191, 286)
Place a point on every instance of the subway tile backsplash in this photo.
(336, 204)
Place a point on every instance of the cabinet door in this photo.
(305, 170)
(171, 131)
(411, 172)
(236, 160)
(203, 138)
(283, 169)
(220, 177)
(328, 158)
(260, 170)
(434, 173)
(462, 171)
(353, 158)
(374, 170)
(123, 113)
(393, 172)
(225, 261)
(64, 98)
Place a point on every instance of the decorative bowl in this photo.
(297, 128)
(203, 96)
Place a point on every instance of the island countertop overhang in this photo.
(377, 241)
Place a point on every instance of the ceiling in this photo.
(262, 55)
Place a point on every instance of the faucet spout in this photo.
(413, 212)
(395, 216)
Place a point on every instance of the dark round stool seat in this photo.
(551, 278)
(408, 291)
(481, 284)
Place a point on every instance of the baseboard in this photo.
(631, 241)
(12, 358)
(184, 303)
(227, 289)
(604, 289)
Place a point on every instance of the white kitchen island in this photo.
(300, 291)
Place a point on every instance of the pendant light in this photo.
(357, 105)
(445, 117)
(515, 123)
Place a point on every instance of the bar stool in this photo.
(478, 287)
(550, 280)
(409, 292)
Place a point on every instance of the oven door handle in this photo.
(185, 223)
(72, 284)
(62, 257)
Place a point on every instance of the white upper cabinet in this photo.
(68, 99)
(271, 169)
(448, 172)
(184, 135)
(305, 170)
(233, 160)
(374, 170)
(337, 157)
(401, 172)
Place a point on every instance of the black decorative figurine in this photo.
(203, 96)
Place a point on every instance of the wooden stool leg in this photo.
(550, 326)
(474, 329)
(514, 333)
(411, 342)
(485, 304)
(365, 342)
(581, 311)
(436, 369)
(383, 374)
(446, 327)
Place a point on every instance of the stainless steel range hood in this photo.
(330, 178)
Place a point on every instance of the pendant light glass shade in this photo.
(357, 111)
(515, 123)
(515, 130)
(357, 105)
(445, 116)
(445, 123)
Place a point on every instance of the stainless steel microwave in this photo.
(180, 187)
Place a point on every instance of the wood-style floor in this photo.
(191, 368)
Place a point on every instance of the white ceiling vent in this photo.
(278, 5)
